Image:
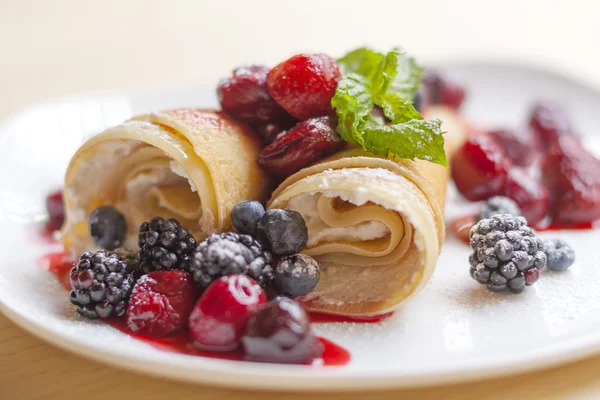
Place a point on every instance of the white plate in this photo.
(455, 330)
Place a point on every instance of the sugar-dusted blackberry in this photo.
(498, 205)
(230, 253)
(164, 244)
(101, 285)
(559, 254)
(506, 253)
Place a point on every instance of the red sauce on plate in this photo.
(60, 263)
(461, 226)
(182, 343)
(316, 317)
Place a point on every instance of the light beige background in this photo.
(53, 48)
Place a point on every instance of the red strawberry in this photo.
(161, 303)
(305, 84)
(571, 174)
(306, 143)
(548, 121)
(516, 145)
(531, 196)
(479, 168)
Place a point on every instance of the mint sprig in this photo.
(389, 81)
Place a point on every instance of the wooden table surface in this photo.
(52, 48)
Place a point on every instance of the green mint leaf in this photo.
(389, 81)
(408, 76)
(397, 109)
(353, 103)
(360, 61)
(413, 139)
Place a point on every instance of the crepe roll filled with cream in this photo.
(375, 225)
(190, 164)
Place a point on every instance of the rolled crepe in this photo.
(189, 164)
(376, 225)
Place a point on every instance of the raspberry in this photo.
(220, 316)
(161, 303)
(306, 143)
(244, 95)
(305, 84)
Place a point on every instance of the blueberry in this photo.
(296, 275)
(107, 227)
(559, 254)
(245, 216)
(282, 232)
(498, 205)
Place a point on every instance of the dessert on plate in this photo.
(317, 189)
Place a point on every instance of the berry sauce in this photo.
(182, 343)
(461, 226)
(317, 318)
(58, 264)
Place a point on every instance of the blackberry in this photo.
(505, 250)
(559, 254)
(101, 285)
(230, 253)
(498, 205)
(164, 244)
(131, 258)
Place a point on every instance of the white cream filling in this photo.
(178, 170)
(318, 231)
